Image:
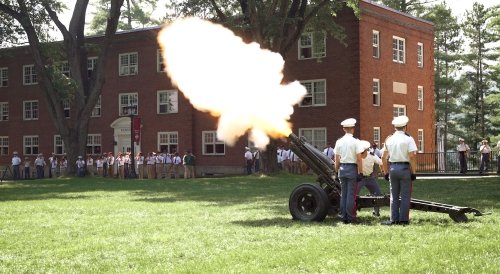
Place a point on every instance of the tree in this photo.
(135, 13)
(413, 7)
(447, 60)
(82, 91)
(275, 25)
(477, 29)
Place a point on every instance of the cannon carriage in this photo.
(314, 201)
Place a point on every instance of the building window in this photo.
(30, 145)
(128, 63)
(212, 145)
(316, 93)
(66, 107)
(160, 67)
(4, 111)
(30, 110)
(312, 45)
(4, 77)
(314, 136)
(4, 145)
(168, 142)
(128, 99)
(29, 75)
(94, 144)
(59, 145)
(398, 49)
(399, 110)
(376, 92)
(167, 101)
(420, 97)
(420, 141)
(91, 65)
(376, 44)
(63, 67)
(96, 111)
(420, 55)
(376, 136)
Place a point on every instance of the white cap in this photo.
(400, 121)
(15, 153)
(247, 148)
(461, 139)
(365, 144)
(351, 122)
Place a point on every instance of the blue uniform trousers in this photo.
(371, 184)
(401, 187)
(348, 184)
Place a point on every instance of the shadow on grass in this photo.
(269, 192)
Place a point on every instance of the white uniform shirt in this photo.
(485, 149)
(16, 160)
(347, 148)
(399, 145)
(463, 147)
(368, 163)
(99, 163)
(329, 152)
(248, 155)
(140, 160)
(177, 160)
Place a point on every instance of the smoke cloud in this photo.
(238, 82)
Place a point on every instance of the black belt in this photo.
(399, 163)
(348, 164)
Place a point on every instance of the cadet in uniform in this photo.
(400, 161)
(348, 163)
(463, 149)
(369, 174)
(16, 162)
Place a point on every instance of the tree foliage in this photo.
(135, 14)
(483, 52)
(31, 20)
(413, 7)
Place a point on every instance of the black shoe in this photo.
(403, 223)
(389, 222)
(376, 213)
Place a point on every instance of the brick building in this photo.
(386, 69)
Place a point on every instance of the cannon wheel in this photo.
(308, 202)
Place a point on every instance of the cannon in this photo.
(314, 201)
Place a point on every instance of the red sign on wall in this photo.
(137, 130)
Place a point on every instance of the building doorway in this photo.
(121, 135)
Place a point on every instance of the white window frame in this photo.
(376, 44)
(94, 141)
(420, 55)
(32, 111)
(209, 138)
(398, 110)
(307, 42)
(91, 65)
(4, 145)
(63, 67)
(398, 49)
(420, 140)
(160, 67)
(4, 111)
(59, 147)
(127, 65)
(29, 75)
(66, 107)
(171, 105)
(31, 142)
(314, 95)
(377, 136)
(168, 141)
(420, 98)
(96, 111)
(4, 77)
(132, 98)
(316, 136)
(376, 92)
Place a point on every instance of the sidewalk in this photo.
(454, 175)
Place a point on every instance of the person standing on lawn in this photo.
(463, 150)
(399, 162)
(348, 163)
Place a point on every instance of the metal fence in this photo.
(448, 162)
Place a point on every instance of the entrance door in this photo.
(122, 136)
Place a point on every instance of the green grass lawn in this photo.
(234, 225)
